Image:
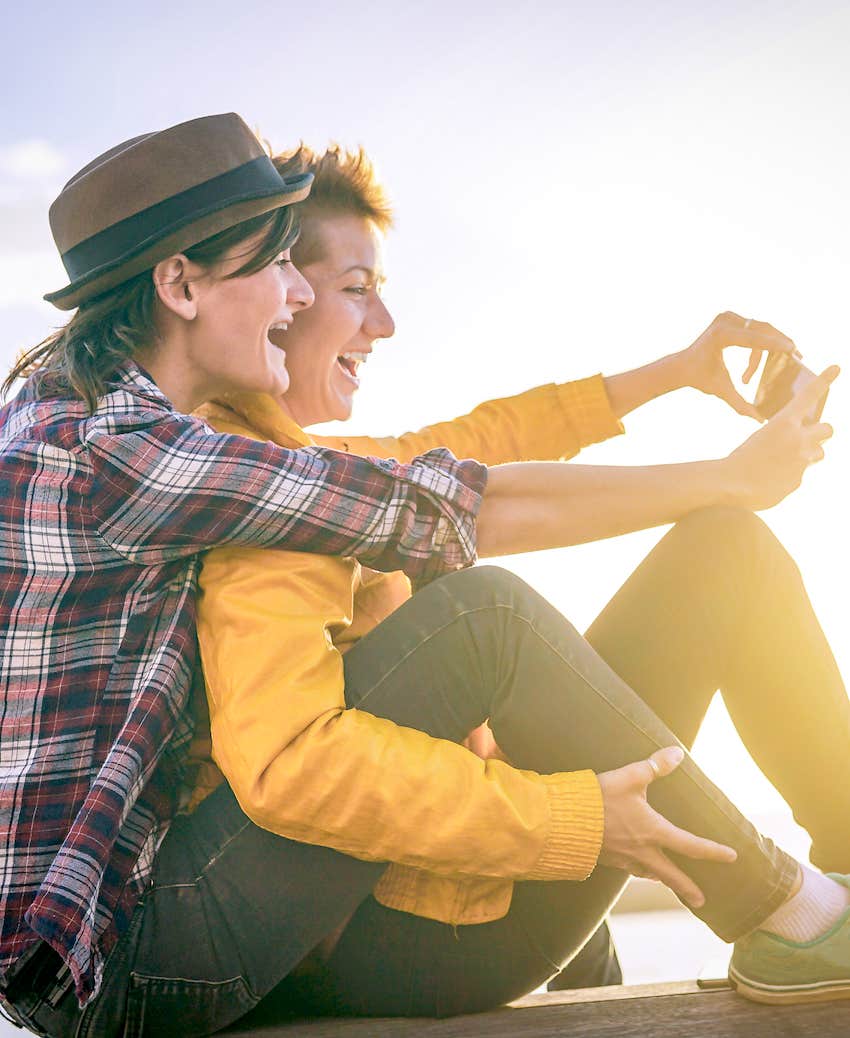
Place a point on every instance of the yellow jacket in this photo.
(272, 625)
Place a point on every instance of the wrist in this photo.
(675, 371)
(632, 389)
(726, 482)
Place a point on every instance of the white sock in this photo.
(815, 908)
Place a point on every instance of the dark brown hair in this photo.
(345, 182)
(80, 357)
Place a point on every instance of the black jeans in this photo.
(233, 908)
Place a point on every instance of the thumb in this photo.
(739, 404)
(666, 761)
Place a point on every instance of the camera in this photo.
(783, 377)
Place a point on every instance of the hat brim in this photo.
(172, 240)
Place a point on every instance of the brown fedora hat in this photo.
(158, 194)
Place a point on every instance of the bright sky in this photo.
(579, 187)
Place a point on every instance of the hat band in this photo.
(255, 179)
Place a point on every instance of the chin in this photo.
(276, 382)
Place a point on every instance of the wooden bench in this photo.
(679, 1010)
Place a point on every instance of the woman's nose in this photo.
(380, 321)
(299, 293)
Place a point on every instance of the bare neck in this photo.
(170, 370)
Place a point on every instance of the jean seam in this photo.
(146, 985)
(199, 981)
(90, 1015)
(209, 864)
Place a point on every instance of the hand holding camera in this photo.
(770, 464)
(784, 376)
(702, 365)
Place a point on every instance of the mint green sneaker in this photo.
(767, 968)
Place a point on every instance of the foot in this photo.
(767, 968)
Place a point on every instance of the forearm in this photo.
(171, 489)
(537, 505)
(532, 506)
(340, 781)
(549, 422)
(632, 389)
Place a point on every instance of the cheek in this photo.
(338, 322)
(307, 372)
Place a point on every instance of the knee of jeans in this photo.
(488, 585)
(727, 527)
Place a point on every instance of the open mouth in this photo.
(350, 362)
(280, 328)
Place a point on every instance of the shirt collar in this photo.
(262, 413)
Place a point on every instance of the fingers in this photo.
(820, 431)
(753, 366)
(662, 763)
(680, 841)
(745, 331)
(815, 435)
(742, 406)
(668, 836)
(662, 869)
(802, 404)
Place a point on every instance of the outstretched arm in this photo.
(551, 423)
(528, 507)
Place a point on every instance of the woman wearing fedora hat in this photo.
(176, 247)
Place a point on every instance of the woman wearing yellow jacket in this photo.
(333, 751)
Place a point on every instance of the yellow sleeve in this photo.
(548, 423)
(304, 766)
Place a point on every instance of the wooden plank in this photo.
(634, 1011)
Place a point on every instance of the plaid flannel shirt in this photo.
(102, 523)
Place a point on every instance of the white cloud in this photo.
(35, 158)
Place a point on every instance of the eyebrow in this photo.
(368, 271)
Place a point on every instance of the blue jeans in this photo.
(234, 908)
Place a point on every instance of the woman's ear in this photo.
(175, 288)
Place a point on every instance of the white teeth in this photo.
(280, 327)
(355, 355)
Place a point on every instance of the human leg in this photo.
(230, 911)
(390, 963)
(596, 965)
(553, 705)
(474, 645)
(719, 604)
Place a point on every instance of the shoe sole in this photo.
(784, 994)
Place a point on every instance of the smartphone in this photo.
(783, 377)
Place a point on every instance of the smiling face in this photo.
(230, 347)
(327, 345)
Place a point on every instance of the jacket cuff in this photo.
(586, 406)
(576, 824)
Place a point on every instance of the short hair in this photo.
(344, 183)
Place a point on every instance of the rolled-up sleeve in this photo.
(172, 488)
